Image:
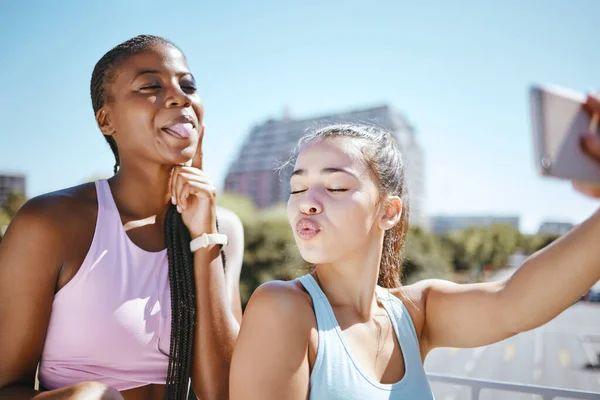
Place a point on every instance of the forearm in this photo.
(19, 392)
(554, 278)
(216, 327)
(80, 391)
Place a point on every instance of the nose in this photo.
(310, 205)
(176, 97)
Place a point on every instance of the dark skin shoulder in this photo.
(42, 250)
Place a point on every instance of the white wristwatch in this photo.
(208, 239)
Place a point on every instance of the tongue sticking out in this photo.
(182, 130)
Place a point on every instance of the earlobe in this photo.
(392, 213)
(104, 123)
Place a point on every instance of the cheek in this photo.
(137, 119)
(199, 109)
(352, 214)
(291, 210)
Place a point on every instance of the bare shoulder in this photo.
(282, 301)
(56, 222)
(417, 295)
(414, 298)
(56, 211)
(286, 296)
(278, 321)
(74, 200)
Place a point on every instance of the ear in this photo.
(391, 212)
(104, 123)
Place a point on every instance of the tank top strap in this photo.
(323, 312)
(102, 194)
(108, 213)
(400, 317)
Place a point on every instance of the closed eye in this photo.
(151, 87)
(330, 190)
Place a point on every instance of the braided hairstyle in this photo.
(181, 261)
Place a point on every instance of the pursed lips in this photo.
(307, 228)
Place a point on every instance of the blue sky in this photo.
(458, 70)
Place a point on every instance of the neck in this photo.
(351, 282)
(142, 192)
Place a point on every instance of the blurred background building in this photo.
(269, 144)
(446, 223)
(555, 228)
(10, 183)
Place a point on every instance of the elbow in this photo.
(510, 320)
(514, 316)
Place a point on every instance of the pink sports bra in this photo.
(112, 322)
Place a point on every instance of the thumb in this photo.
(197, 159)
(592, 103)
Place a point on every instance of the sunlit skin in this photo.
(155, 114)
(338, 220)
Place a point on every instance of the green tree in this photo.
(482, 246)
(533, 243)
(425, 256)
(14, 201)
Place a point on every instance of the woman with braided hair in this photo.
(117, 288)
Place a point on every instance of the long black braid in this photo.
(181, 260)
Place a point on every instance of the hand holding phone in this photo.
(561, 118)
(591, 146)
(591, 141)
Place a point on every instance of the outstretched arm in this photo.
(546, 284)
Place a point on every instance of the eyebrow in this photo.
(155, 71)
(330, 170)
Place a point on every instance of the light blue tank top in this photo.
(336, 375)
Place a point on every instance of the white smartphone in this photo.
(558, 122)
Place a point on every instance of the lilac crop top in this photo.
(112, 322)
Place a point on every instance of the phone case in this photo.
(558, 121)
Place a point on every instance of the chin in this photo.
(314, 255)
(179, 156)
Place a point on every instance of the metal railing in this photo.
(545, 392)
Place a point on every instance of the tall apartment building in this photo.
(271, 143)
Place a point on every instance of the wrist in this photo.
(208, 240)
(196, 232)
